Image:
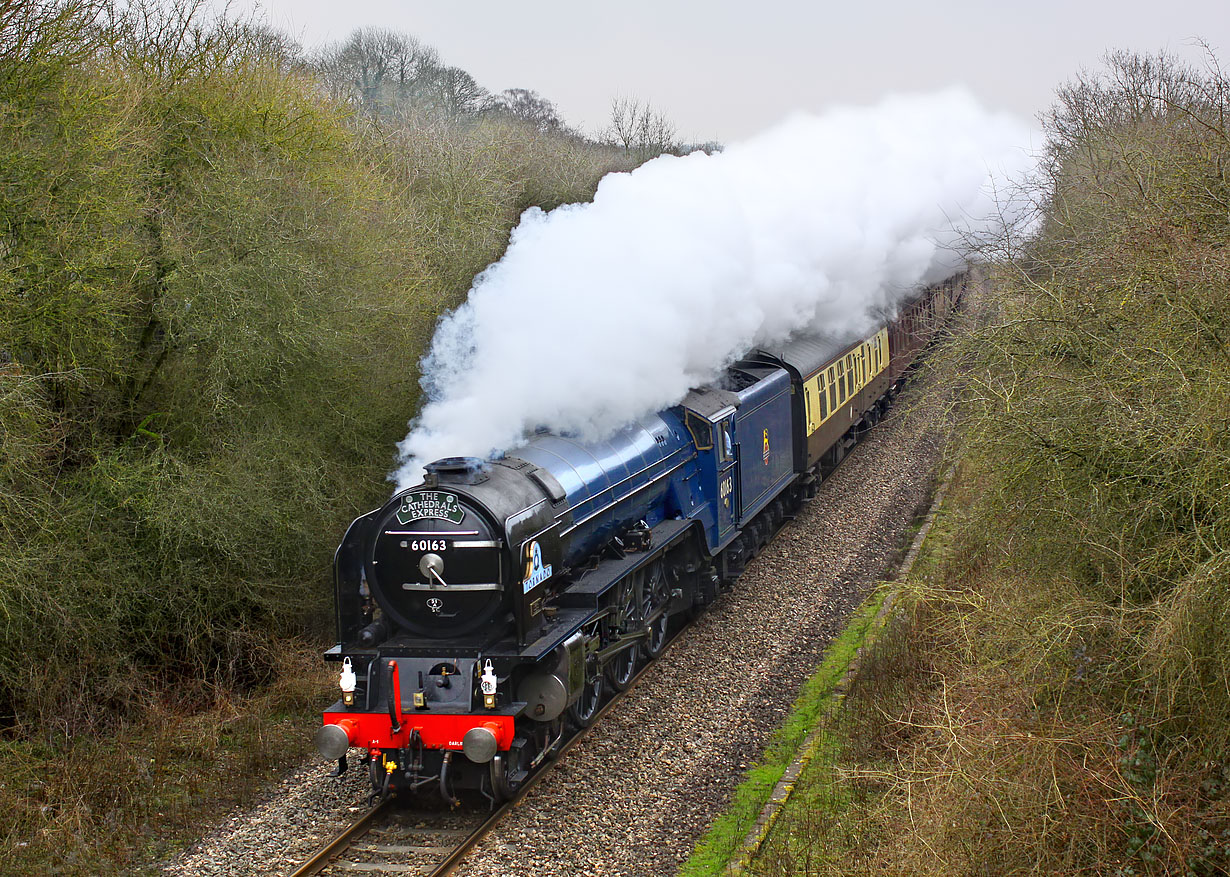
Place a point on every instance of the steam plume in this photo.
(601, 313)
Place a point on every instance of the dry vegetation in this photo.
(216, 281)
(1057, 701)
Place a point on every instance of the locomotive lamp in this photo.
(488, 683)
(347, 682)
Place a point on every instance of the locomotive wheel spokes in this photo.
(622, 667)
(581, 712)
(656, 596)
(585, 707)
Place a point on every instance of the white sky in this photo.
(722, 70)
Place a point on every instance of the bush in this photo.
(1058, 698)
(1098, 411)
(215, 287)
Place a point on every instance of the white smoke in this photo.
(604, 312)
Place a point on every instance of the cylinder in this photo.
(545, 696)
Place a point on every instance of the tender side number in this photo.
(429, 545)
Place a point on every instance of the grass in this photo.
(819, 694)
(118, 803)
(810, 824)
(988, 731)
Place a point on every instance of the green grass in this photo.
(724, 840)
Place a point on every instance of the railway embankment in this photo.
(1050, 696)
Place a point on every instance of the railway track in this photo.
(390, 839)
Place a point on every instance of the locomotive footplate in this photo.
(590, 585)
(561, 627)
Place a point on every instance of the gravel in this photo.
(637, 794)
(306, 809)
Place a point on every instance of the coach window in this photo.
(824, 399)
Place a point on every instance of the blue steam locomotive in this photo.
(483, 613)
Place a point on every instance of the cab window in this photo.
(701, 430)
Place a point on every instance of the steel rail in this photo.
(329, 851)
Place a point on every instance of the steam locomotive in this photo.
(488, 610)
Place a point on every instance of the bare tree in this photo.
(709, 147)
(450, 92)
(528, 106)
(640, 130)
(380, 70)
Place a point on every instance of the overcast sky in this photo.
(722, 70)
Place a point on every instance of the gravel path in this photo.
(634, 798)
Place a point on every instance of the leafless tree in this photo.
(378, 69)
(640, 130)
(709, 147)
(528, 106)
(449, 92)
